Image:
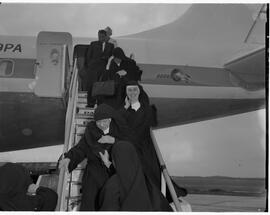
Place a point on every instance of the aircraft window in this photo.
(6, 68)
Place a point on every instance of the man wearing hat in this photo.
(97, 56)
(109, 34)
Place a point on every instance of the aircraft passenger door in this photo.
(49, 77)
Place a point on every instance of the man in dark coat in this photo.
(18, 193)
(96, 59)
(100, 135)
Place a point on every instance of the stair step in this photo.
(74, 197)
(86, 110)
(80, 129)
(78, 137)
(76, 175)
(82, 165)
(73, 203)
(82, 94)
(81, 104)
(82, 99)
(83, 116)
(74, 189)
(82, 121)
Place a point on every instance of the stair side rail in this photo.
(165, 173)
(69, 135)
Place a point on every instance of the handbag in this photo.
(103, 88)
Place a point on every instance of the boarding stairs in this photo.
(72, 184)
(77, 118)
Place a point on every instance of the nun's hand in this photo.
(127, 103)
(32, 188)
(122, 73)
(64, 163)
(107, 139)
(105, 158)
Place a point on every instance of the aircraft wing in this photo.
(248, 70)
(219, 48)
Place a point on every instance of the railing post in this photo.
(165, 173)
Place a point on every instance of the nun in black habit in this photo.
(18, 193)
(107, 128)
(128, 189)
(140, 117)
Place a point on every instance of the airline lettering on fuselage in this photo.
(176, 75)
(10, 47)
(163, 76)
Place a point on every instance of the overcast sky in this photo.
(232, 146)
(84, 20)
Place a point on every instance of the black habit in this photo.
(14, 182)
(140, 122)
(133, 74)
(128, 189)
(96, 174)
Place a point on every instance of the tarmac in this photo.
(222, 203)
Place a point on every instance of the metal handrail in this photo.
(70, 116)
(165, 173)
(63, 68)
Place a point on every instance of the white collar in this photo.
(135, 106)
(107, 131)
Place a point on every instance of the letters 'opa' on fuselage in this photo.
(10, 47)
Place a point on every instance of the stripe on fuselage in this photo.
(200, 92)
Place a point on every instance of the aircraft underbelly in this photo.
(28, 121)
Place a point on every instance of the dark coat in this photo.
(140, 121)
(95, 64)
(95, 55)
(128, 188)
(133, 74)
(14, 182)
(129, 65)
(96, 173)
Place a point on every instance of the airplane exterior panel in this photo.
(201, 92)
(175, 111)
(49, 71)
(184, 75)
(17, 47)
(15, 85)
(191, 53)
(21, 68)
(28, 121)
(33, 155)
